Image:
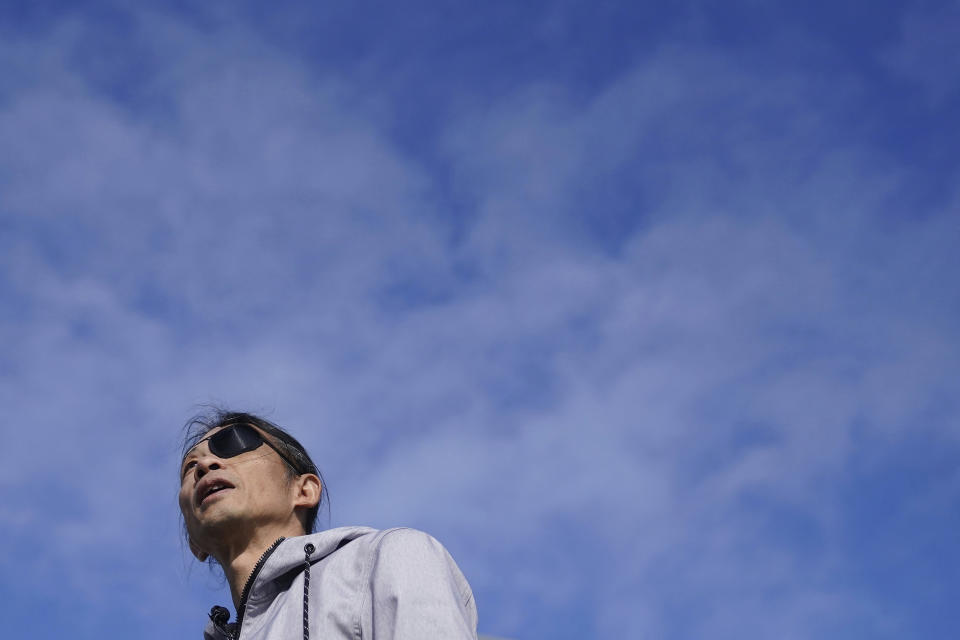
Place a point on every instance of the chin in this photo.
(214, 523)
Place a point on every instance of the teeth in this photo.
(213, 488)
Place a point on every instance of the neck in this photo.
(238, 560)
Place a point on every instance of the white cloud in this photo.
(550, 394)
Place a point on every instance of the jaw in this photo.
(216, 521)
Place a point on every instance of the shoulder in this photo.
(405, 539)
(414, 587)
(404, 549)
(405, 558)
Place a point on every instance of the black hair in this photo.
(298, 460)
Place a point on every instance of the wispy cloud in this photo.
(629, 349)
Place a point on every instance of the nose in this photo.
(205, 464)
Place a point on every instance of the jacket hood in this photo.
(289, 555)
(288, 560)
(279, 564)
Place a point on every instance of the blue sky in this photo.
(647, 311)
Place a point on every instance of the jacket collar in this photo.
(286, 558)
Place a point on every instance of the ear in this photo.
(197, 552)
(308, 488)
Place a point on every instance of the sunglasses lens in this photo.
(234, 440)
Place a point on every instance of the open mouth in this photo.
(213, 489)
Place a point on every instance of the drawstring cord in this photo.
(307, 550)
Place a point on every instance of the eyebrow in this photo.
(187, 454)
(197, 444)
(191, 450)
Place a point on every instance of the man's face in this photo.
(224, 496)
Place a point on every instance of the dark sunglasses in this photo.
(239, 438)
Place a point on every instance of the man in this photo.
(250, 493)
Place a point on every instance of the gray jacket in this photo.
(361, 583)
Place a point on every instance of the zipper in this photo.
(249, 584)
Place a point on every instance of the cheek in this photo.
(184, 499)
(269, 488)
